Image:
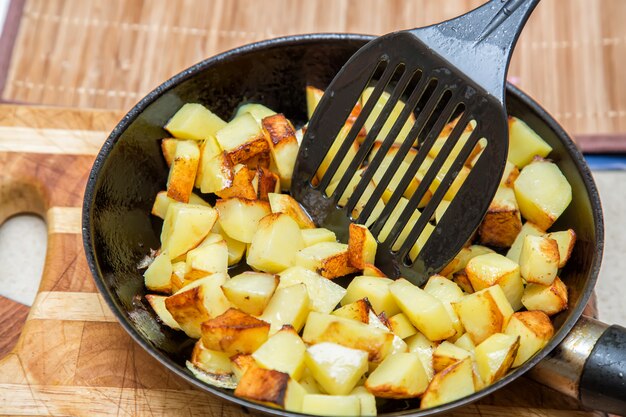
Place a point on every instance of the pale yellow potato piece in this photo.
(542, 193)
(502, 222)
(401, 326)
(182, 174)
(539, 260)
(484, 313)
(367, 400)
(211, 255)
(447, 292)
(528, 229)
(275, 244)
(242, 138)
(550, 299)
(462, 258)
(162, 202)
(335, 405)
(358, 310)
(323, 294)
(400, 375)
(288, 305)
(251, 291)
(179, 271)
(283, 203)
(376, 290)
(281, 137)
(158, 275)
(495, 355)
(309, 383)
(534, 330)
(239, 218)
(509, 175)
(215, 172)
(270, 387)
(524, 143)
(185, 226)
(446, 354)
(284, 351)
(194, 121)
(236, 249)
(234, 332)
(465, 342)
(349, 333)
(198, 302)
(335, 367)
(370, 270)
(313, 97)
(565, 240)
(361, 246)
(211, 361)
(157, 302)
(494, 269)
(317, 235)
(168, 148)
(329, 259)
(418, 343)
(393, 116)
(425, 311)
(454, 382)
(256, 110)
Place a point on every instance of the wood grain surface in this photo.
(73, 358)
(109, 54)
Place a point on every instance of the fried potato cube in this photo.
(503, 222)
(313, 97)
(484, 313)
(242, 138)
(329, 259)
(158, 275)
(425, 311)
(424, 348)
(539, 260)
(265, 182)
(370, 270)
(251, 291)
(182, 175)
(524, 143)
(324, 295)
(358, 310)
(494, 269)
(330, 155)
(447, 292)
(284, 351)
(454, 382)
(216, 169)
(376, 290)
(335, 405)
(240, 364)
(168, 149)
(534, 330)
(460, 278)
(465, 342)
(528, 229)
(162, 202)
(349, 333)
(542, 193)
(288, 305)
(565, 241)
(194, 121)
(275, 244)
(283, 203)
(211, 255)
(459, 262)
(550, 299)
(446, 354)
(157, 302)
(510, 174)
(210, 361)
(273, 388)
(495, 355)
(361, 246)
(401, 326)
(236, 249)
(258, 111)
(179, 271)
(309, 383)
(367, 400)
(234, 332)
(241, 185)
(185, 226)
(335, 367)
(198, 302)
(239, 218)
(401, 375)
(281, 137)
(393, 116)
(317, 235)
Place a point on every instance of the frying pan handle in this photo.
(590, 365)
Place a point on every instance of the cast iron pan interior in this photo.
(118, 229)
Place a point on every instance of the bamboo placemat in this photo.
(109, 53)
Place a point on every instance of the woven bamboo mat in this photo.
(109, 53)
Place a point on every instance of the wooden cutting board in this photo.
(72, 358)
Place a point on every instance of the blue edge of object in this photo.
(606, 162)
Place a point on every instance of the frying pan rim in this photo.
(294, 40)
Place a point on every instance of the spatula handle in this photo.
(502, 17)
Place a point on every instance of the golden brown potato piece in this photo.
(454, 382)
(550, 299)
(400, 375)
(494, 269)
(495, 355)
(484, 313)
(358, 310)
(260, 160)
(461, 279)
(539, 260)
(534, 330)
(272, 388)
(281, 136)
(329, 259)
(241, 186)
(565, 240)
(503, 222)
(370, 270)
(234, 332)
(240, 364)
(157, 302)
(265, 182)
(361, 246)
(183, 170)
(283, 203)
(242, 139)
(168, 148)
(210, 361)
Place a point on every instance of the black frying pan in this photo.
(585, 358)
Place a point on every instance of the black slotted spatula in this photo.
(455, 69)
